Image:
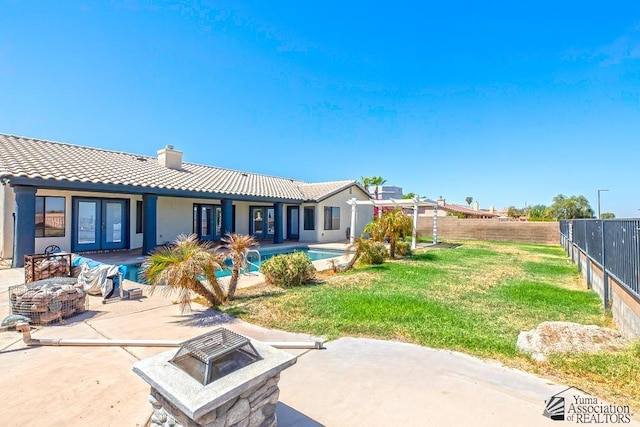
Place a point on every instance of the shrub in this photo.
(403, 248)
(288, 270)
(373, 253)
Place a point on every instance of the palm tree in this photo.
(469, 200)
(236, 247)
(391, 225)
(365, 183)
(181, 266)
(357, 248)
(377, 181)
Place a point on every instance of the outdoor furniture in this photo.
(97, 278)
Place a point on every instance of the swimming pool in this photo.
(133, 270)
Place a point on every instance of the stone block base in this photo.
(255, 407)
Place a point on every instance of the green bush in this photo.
(403, 248)
(288, 270)
(373, 253)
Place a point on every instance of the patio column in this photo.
(414, 234)
(149, 222)
(24, 229)
(277, 219)
(227, 216)
(354, 210)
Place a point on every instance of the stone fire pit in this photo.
(245, 397)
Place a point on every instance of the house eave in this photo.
(138, 190)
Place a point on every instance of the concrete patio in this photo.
(354, 381)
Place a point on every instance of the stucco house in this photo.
(88, 199)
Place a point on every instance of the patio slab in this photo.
(354, 381)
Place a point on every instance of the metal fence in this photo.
(612, 244)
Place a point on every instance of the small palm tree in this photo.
(469, 200)
(236, 247)
(181, 266)
(357, 248)
(390, 225)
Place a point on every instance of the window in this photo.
(331, 218)
(310, 218)
(50, 216)
(139, 223)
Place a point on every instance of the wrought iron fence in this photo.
(612, 244)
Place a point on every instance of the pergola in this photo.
(413, 203)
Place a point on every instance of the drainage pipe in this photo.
(58, 342)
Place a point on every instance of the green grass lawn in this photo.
(475, 299)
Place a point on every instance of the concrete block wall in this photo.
(450, 227)
(625, 307)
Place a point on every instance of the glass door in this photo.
(262, 222)
(203, 221)
(99, 224)
(257, 222)
(113, 231)
(86, 227)
(293, 222)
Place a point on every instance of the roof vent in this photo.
(170, 158)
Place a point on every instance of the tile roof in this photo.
(22, 157)
(465, 210)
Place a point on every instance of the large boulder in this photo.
(567, 337)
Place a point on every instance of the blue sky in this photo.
(511, 104)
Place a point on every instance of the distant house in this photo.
(88, 199)
(461, 211)
(386, 192)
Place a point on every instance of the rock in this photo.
(238, 412)
(568, 337)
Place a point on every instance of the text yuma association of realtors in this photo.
(589, 410)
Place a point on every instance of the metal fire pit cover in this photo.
(215, 354)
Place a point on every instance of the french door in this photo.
(99, 224)
(293, 222)
(207, 221)
(262, 222)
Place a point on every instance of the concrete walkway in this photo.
(350, 383)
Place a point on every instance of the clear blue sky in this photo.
(506, 102)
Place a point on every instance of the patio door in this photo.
(99, 224)
(293, 222)
(262, 222)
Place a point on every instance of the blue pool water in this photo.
(132, 271)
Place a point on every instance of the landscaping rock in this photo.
(567, 337)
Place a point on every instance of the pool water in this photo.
(132, 271)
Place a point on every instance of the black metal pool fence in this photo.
(611, 244)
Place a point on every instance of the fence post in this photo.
(605, 275)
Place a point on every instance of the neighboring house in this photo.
(88, 199)
(386, 192)
(462, 211)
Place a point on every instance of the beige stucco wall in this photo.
(6, 221)
(363, 217)
(175, 216)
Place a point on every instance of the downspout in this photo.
(61, 342)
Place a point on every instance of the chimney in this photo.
(492, 210)
(476, 206)
(170, 158)
(441, 202)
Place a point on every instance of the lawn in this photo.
(475, 299)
